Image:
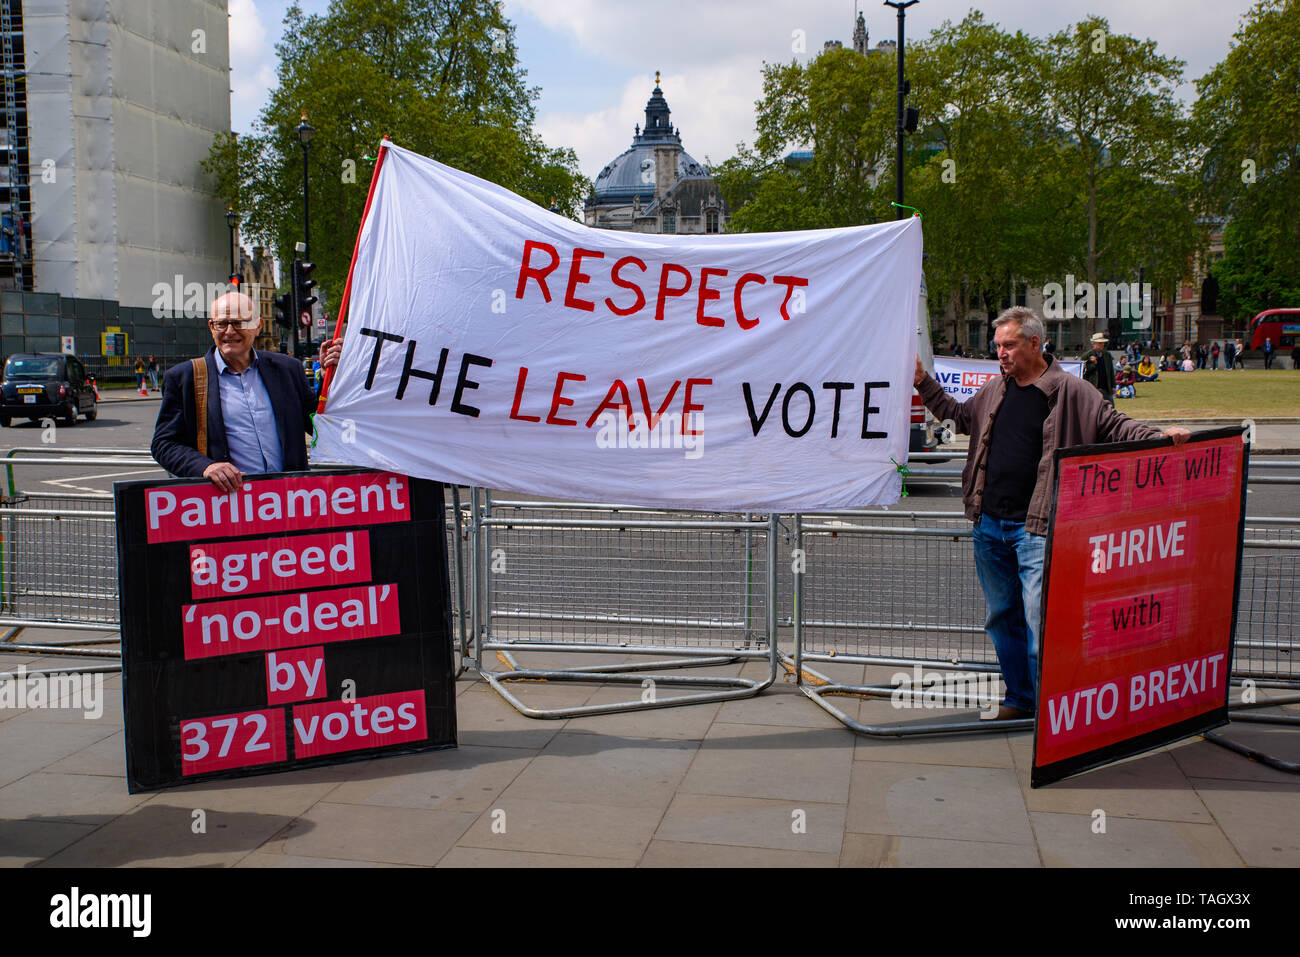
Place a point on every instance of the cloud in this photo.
(252, 64)
(712, 106)
(712, 53)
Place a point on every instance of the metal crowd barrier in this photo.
(567, 577)
(904, 592)
(698, 589)
(58, 568)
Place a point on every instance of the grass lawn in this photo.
(1220, 394)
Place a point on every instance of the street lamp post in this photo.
(901, 6)
(232, 220)
(305, 132)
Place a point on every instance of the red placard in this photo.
(242, 625)
(191, 513)
(232, 741)
(331, 727)
(248, 567)
(1143, 568)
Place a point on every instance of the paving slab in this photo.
(259, 859)
(159, 835)
(75, 798)
(489, 857)
(802, 826)
(31, 745)
(391, 835)
(284, 793)
(784, 707)
(1072, 840)
(106, 756)
(553, 827)
(1150, 786)
(683, 854)
(107, 711)
(467, 779)
(486, 719)
(768, 761)
(1199, 758)
(27, 842)
(838, 672)
(606, 770)
(680, 722)
(892, 850)
(1261, 820)
(926, 800)
(991, 750)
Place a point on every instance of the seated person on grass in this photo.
(1125, 378)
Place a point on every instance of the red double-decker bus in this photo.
(1279, 326)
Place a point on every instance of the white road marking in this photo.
(67, 482)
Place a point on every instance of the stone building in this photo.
(655, 186)
(257, 279)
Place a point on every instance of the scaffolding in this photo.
(15, 194)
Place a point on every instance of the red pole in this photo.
(347, 286)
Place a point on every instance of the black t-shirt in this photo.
(1015, 449)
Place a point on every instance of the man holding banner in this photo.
(1017, 420)
(257, 406)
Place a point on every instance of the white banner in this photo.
(492, 343)
(962, 378)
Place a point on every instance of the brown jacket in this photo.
(1077, 415)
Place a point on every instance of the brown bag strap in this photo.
(201, 402)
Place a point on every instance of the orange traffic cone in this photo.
(144, 391)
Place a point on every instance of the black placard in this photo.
(276, 569)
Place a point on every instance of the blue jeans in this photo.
(1010, 565)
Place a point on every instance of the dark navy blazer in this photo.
(175, 436)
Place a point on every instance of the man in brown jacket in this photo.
(1016, 421)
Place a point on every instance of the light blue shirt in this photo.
(251, 433)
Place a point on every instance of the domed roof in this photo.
(632, 173)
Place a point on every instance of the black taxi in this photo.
(46, 384)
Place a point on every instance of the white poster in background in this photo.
(492, 343)
(962, 378)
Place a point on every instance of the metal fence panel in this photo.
(885, 584)
(613, 577)
(60, 559)
(892, 585)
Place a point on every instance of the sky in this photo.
(595, 60)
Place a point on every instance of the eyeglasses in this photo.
(221, 325)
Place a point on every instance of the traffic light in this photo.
(284, 310)
(303, 285)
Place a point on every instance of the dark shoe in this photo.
(1008, 713)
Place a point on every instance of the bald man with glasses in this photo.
(257, 405)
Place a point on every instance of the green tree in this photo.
(1248, 275)
(979, 175)
(841, 106)
(1111, 97)
(1248, 112)
(440, 77)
